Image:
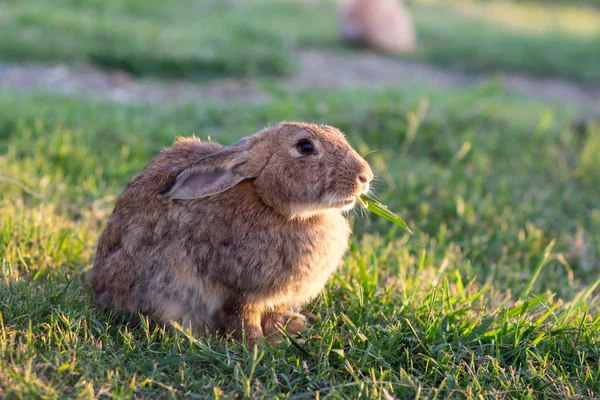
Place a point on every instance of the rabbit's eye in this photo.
(305, 146)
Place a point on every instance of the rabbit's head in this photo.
(297, 169)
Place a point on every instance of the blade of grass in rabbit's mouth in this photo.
(372, 205)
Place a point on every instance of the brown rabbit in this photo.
(232, 237)
(381, 24)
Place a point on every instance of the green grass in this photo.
(184, 38)
(541, 18)
(496, 295)
(505, 36)
(180, 38)
(593, 3)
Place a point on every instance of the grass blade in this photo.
(538, 269)
(372, 205)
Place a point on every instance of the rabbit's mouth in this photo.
(345, 204)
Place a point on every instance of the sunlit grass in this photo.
(529, 17)
(502, 298)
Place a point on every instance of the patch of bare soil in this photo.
(366, 69)
(91, 82)
(317, 68)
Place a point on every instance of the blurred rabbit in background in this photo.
(380, 24)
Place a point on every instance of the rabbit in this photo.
(381, 24)
(232, 239)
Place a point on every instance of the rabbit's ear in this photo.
(214, 173)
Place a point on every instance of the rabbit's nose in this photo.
(366, 174)
(364, 177)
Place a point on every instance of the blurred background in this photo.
(141, 51)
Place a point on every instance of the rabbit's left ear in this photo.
(216, 172)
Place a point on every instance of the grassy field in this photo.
(496, 296)
(498, 300)
(218, 38)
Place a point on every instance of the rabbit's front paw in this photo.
(292, 322)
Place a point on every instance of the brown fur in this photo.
(245, 256)
(381, 24)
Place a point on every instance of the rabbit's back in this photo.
(121, 266)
